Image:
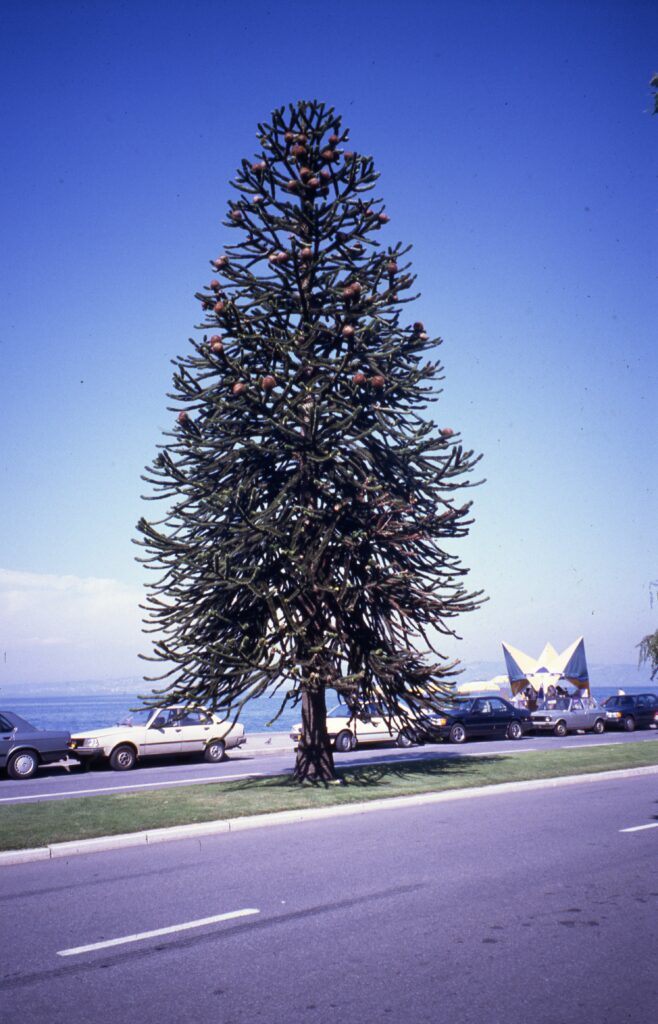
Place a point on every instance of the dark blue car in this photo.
(465, 718)
(23, 747)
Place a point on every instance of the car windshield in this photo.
(136, 718)
(458, 704)
(618, 702)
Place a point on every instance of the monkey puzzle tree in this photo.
(309, 497)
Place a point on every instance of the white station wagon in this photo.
(155, 731)
(370, 723)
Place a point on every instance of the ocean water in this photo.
(92, 711)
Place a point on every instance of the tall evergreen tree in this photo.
(310, 497)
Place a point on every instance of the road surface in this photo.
(516, 907)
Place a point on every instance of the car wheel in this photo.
(123, 758)
(457, 733)
(405, 739)
(22, 765)
(514, 730)
(560, 729)
(629, 723)
(599, 726)
(215, 751)
(344, 742)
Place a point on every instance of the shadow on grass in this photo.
(437, 769)
(371, 775)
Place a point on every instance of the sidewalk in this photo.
(268, 743)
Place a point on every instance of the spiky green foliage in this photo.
(311, 497)
(649, 652)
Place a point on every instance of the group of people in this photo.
(530, 698)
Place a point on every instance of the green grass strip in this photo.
(52, 821)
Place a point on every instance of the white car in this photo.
(154, 731)
(368, 724)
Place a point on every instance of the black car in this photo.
(463, 718)
(23, 747)
(631, 711)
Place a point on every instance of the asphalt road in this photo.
(55, 782)
(511, 907)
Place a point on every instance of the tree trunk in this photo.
(315, 759)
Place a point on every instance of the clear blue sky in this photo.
(517, 153)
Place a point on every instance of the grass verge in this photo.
(55, 821)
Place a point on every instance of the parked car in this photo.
(631, 711)
(466, 718)
(568, 714)
(23, 747)
(154, 731)
(371, 723)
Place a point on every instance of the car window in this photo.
(482, 707)
(340, 711)
(5, 726)
(22, 724)
(576, 705)
(165, 718)
(652, 701)
(498, 705)
(194, 717)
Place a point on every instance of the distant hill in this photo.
(618, 676)
(125, 684)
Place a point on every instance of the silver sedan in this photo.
(568, 714)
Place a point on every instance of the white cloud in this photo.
(57, 628)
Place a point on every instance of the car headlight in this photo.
(91, 741)
(613, 714)
(440, 721)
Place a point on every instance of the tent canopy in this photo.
(549, 668)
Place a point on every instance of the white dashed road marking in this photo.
(640, 828)
(157, 932)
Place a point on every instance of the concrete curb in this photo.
(209, 828)
(266, 750)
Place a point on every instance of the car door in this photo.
(6, 738)
(586, 717)
(195, 726)
(575, 715)
(370, 725)
(480, 721)
(501, 716)
(163, 734)
(644, 710)
(652, 708)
